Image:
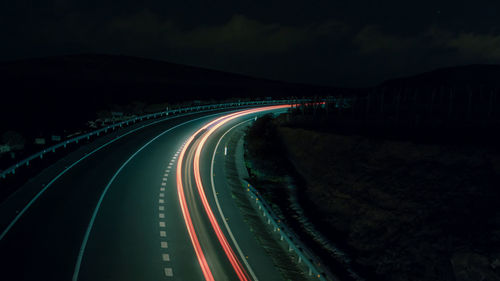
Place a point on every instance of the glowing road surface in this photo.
(215, 255)
(135, 205)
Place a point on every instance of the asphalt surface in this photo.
(116, 215)
(217, 149)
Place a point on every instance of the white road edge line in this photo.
(96, 210)
(242, 256)
(13, 222)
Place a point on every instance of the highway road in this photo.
(152, 205)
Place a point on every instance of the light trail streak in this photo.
(214, 125)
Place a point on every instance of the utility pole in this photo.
(368, 104)
(433, 95)
(398, 101)
(469, 108)
(490, 108)
(382, 102)
(450, 107)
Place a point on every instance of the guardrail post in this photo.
(178, 110)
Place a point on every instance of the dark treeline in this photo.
(425, 112)
(37, 92)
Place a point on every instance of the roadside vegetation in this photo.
(401, 207)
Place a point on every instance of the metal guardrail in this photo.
(294, 244)
(40, 154)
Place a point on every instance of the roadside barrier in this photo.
(26, 162)
(304, 256)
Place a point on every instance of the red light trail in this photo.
(236, 264)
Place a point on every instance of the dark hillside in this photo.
(487, 76)
(77, 86)
(455, 96)
(452, 103)
(402, 177)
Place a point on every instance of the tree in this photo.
(13, 139)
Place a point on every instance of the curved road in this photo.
(152, 205)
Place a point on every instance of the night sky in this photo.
(342, 43)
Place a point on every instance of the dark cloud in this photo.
(239, 35)
(371, 40)
(465, 45)
(347, 43)
(477, 46)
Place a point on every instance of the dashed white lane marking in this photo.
(163, 234)
(168, 272)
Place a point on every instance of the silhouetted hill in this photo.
(37, 92)
(487, 76)
(449, 97)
